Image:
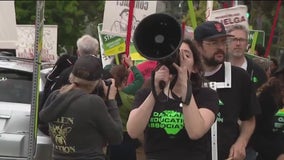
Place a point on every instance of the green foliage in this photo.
(76, 17)
(72, 18)
(199, 12)
(25, 12)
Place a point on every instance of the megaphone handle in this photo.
(153, 85)
(162, 85)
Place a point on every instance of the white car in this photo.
(15, 104)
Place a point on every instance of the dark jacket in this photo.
(81, 124)
(267, 140)
(256, 73)
(58, 76)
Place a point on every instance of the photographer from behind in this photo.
(175, 128)
(81, 124)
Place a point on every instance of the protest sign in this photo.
(231, 16)
(115, 18)
(255, 37)
(113, 45)
(135, 56)
(103, 39)
(188, 32)
(26, 40)
(260, 38)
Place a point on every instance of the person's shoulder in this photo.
(207, 98)
(66, 60)
(67, 70)
(258, 68)
(94, 97)
(258, 64)
(61, 64)
(142, 92)
(240, 75)
(207, 91)
(55, 93)
(94, 100)
(238, 70)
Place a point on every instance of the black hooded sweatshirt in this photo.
(81, 124)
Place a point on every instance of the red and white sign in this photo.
(26, 40)
(231, 16)
(115, 19)
(188, 32)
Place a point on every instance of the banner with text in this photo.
(231, 16)
(26, 39)
(112, 45)
(115, 18)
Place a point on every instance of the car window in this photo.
(15, 86)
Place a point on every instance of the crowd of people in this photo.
(120, 112)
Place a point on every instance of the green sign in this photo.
(257, 37)
(112, 44)
(260, 38)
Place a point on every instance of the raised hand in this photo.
(162, 74)
(184, 70)
(128, 61)
(110, 90)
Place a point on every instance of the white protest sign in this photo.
(26, 40)
(188, 32)
(8, 36)
(209, 10)
(231, 16)
(115, 19)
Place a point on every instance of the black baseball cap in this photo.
(209, 30)
(88, 67)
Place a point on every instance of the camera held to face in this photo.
(107, 82)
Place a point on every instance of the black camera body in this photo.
(107, 82)
(99, 90)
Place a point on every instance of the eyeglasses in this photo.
(240, 40)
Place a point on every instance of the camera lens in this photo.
(108, 82)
